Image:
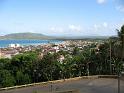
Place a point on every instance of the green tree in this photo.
(120, 47)
(24, 63)
(76, 51)
(22, 78)
(5, 63)
(6, 79)
(121, 39)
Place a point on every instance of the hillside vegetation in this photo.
(25, 36)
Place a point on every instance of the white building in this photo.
(61, 59)
(14, 45)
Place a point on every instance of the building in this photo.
(14, 45)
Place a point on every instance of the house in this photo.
(61, 58)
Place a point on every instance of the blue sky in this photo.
(62, 17)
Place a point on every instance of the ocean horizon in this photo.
(5, 43)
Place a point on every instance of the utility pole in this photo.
(119, 81)
(110, 57)
(51, 86)
(0, 53)
(88, 69)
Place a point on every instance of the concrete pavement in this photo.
(101, 85)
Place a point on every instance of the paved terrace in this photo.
(100, 85)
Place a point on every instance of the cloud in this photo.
(106, 29)
(57, 29)
(97, 27)
(120, 8)
(105, 24)
(74, 27)
(52, 28)
(66, 30)
(120, 5)
(101, 1)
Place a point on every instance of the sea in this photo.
(5, 43)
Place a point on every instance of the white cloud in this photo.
(99, 26)
(120, 8)
(105, 29)
(52, 28)
(57, 29)
(100, 29)
(96, 27)
(101, 1)
(74, 27)
(105, 24)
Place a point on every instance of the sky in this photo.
(62, 17)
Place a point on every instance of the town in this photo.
(14, 49)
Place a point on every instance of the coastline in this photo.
(28, 42)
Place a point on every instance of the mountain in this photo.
(25, 36)
(82, 37)
(44, 37)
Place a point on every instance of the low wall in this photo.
(69, 91)
(107, 76)
(63, 80)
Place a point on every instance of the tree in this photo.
(120, 48)
(22, 78)
(24, 63)
(76, 51)
(104, 63)
(121, 39)
(6, 79)
(5, 63)
(120, 63)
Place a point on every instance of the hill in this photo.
(82, 37)
(44, 37)
(25, 36)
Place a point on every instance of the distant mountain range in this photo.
(25, 36)
(44, 37)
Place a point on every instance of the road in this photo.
(102, 85)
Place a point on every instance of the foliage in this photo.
(6, 79)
